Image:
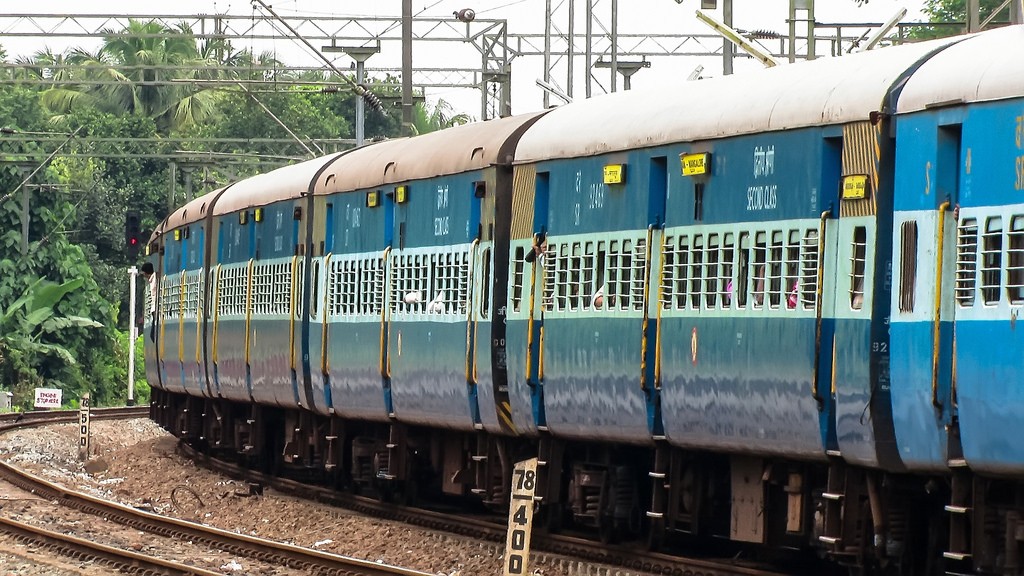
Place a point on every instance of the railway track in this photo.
(265, 551)
(573, 548)
(12, 420)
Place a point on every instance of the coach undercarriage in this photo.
(868, 521)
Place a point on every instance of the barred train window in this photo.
(435, 283)
(1015, 263)
(992, 260)
(171, 301)
(966, 261)
(227, 290)
(858, 255)
(725, 267)
(791, 286)
(190, 302)
(696, 270)
(711, 272)
(908, 265)
(741, 284)
(674, 275)
(517, 277)
(574, 272)
(760, 260)
(809, 269)
(356, 286)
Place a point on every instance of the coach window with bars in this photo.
(170, 302)
(711, 271)
(518, 264)
(1015, 261)
(430, 283)
(271, 288)
(966, 261)
(193, 287)
(356, 285)
(858, 256)
(232, 287)
(594, 275)
(809, 269)
(992, 260)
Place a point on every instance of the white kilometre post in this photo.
(520, 518)
(133, 272)
(83, 427)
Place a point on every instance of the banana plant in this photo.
(29, 319)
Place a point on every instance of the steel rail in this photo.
(116, 559)
(311, 561)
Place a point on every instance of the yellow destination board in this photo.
(695, 164)
(855, 187)
(615, 174)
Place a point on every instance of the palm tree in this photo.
(441, 117)
(135, 68)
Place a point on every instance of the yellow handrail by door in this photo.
(937, 310)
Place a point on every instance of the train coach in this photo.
(775, 308)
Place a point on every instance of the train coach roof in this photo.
(820, 92)
(984, 67)
(281, 184)
(192, 211)
(453, 151)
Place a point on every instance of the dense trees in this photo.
(134, 104)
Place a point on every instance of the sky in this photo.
(523, 16)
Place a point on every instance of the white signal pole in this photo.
(133, 272)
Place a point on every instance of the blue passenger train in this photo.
(777, 308)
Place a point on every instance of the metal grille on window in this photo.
(858, 256)
(696, 270)
(171, 301)
(742, 285)
(791, 285)
(228, 293)
(674, 272)
(355, 286)
(809, 269)
(450, 283)
(726, 261)
(992, 260)
(966, 261)
(758, 283)
(1015, 261)
(193, 285)
(711, 272)
(908, 265)
(518, 264)
(775, 285)
(408, 283)
(636, 301)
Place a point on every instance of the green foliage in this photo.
(439, 118)
(78, 201)
(950, 17)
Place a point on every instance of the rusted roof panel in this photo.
(824, 91)
(453, 151)
(283, 183)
